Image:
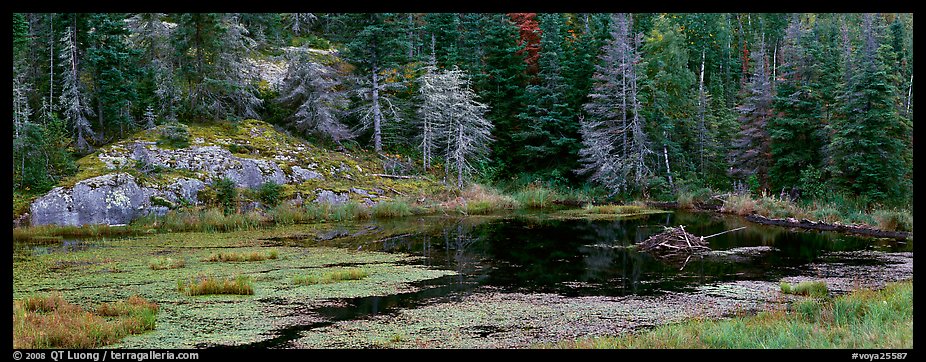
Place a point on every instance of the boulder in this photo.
(111, 199)
(300, 174)
(330, 197)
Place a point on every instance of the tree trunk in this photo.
(701, 100)
(665, 153)
(909, 97)
(51, 62)
(377, 114)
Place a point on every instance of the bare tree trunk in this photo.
(909, 97)
(51, 62)
(701, 105)
(665, 153)
(433, 54)
(377, 114)
(460, 160)
(411, 37)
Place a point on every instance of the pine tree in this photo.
(869, 147)
(211, 49)
(112, 65)
(376, 46)
(73, 99)
(453, 120)
(549, 137)
(316, 92)
(750, 154)
(501, 87)
(151, 35)
(795, 130)
(615, 145)
(669, 89)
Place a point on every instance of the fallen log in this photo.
(829, 227)
(395, 176)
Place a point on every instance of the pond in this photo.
(443, 282)
(592, 258)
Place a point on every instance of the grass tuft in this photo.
(161, 263)
(391, 209)
(51, 322)
(331, 277)
(231, 257)
(815, 289)
(240, 285)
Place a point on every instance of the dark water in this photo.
(588, 258)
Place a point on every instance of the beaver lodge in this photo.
(675, 240)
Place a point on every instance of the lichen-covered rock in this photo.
(301, 175)
(330, 197)
(184, 189)
(216, 162)
(109, 199)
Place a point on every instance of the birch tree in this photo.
(615, 145)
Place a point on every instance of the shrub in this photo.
(269, 193)
(252, 256)
(226, 194)
(51, 322)
(175, 135)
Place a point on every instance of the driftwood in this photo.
(807, 224)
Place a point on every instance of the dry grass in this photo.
(52, 322)
(161, 263)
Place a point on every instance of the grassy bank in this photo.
(475, 200)
(861, 319)
(836, 209)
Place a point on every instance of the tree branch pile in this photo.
(675, 240)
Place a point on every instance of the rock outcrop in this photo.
(138, 176)
(109, 199)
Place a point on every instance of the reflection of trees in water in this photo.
(606, 245)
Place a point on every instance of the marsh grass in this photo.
(815, 289)
(240, 285)
(161, 263)
(233, 257)
(861, 319)
(331, 277)
(391, 209)
(535, 197)
(51, 322)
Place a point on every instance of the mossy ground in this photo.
(340, 171)
(110, 270)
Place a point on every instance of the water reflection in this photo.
(596, 257)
